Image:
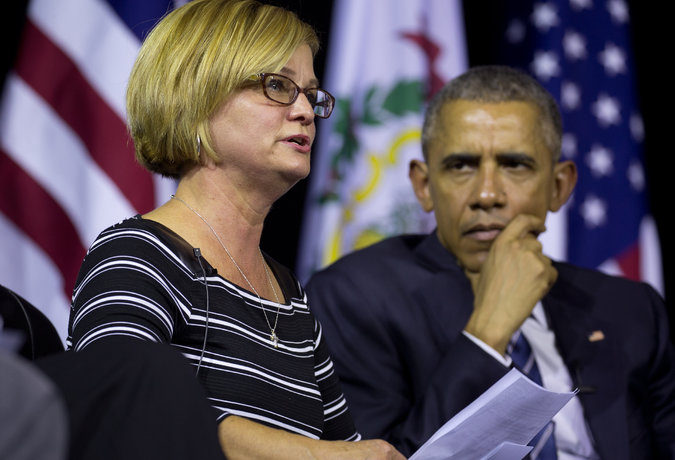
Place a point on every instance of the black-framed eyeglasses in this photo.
(283, 90)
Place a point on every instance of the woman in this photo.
(223, 97)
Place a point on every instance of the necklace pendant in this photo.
(274, 339)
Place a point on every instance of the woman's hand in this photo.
(243, 439)
(371, 449)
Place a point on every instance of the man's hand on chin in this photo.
(513, 278)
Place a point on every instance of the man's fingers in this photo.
(529, 242)
(523, 225)
(553, 274)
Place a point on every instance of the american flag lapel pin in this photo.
(596, 336)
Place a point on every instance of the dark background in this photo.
(483, 26)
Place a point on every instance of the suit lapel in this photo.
(445, 285)
(593, 357)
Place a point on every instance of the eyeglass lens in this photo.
(283, 90)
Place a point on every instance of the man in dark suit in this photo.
(420, 325)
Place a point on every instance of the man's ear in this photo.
(418, 172)
(564, 180)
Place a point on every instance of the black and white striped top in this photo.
(140, 279)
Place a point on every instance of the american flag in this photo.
(580, 50)
(67, 168)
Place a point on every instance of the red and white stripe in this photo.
(67, 168)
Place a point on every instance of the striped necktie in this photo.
(523, 358)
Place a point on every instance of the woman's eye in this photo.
(276, 85)
(311, 97)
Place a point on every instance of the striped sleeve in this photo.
(120, 294)
(338, 423)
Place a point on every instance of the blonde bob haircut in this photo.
(194, 59)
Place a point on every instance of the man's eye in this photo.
(457, 165)
(515, 164)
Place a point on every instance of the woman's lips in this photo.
(299, 142)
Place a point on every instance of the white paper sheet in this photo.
(501, 420)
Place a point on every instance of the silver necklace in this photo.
(273, 334)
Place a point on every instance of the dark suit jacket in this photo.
(393, 315)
